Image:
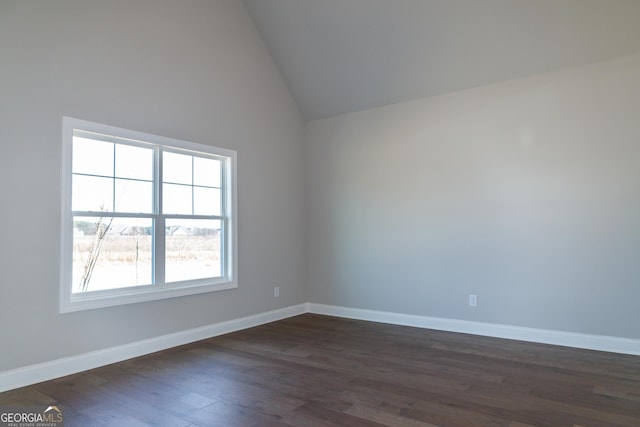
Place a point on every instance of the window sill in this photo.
(122, 296)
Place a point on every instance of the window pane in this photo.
(176, 199)
(176, 168)
(192, 249)
(111, 253)
(206, 172)
(134, 162)
(92, 157)
(91, 193)
(206, 201)
(134, 196)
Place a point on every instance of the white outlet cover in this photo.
(473, 300)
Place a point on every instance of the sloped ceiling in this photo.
(339, 56)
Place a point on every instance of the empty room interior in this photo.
(320, 212)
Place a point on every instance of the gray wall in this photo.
(198, 73)
(525, 193)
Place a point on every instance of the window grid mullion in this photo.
(159, 238)
(193, 191)
(113, 180)
(112, 214)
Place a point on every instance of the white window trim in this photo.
(70, 301)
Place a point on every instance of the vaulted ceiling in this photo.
(339, 56)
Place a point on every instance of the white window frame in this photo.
(70, 301)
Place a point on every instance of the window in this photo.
(144, 217)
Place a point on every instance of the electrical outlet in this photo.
(473, 300)
(276, 292)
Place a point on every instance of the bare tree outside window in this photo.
(102, 228)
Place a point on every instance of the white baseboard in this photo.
(567, 339)
(28, 375)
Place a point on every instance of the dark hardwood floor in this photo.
(313, 370)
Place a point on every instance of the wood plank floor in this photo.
(314, 370)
